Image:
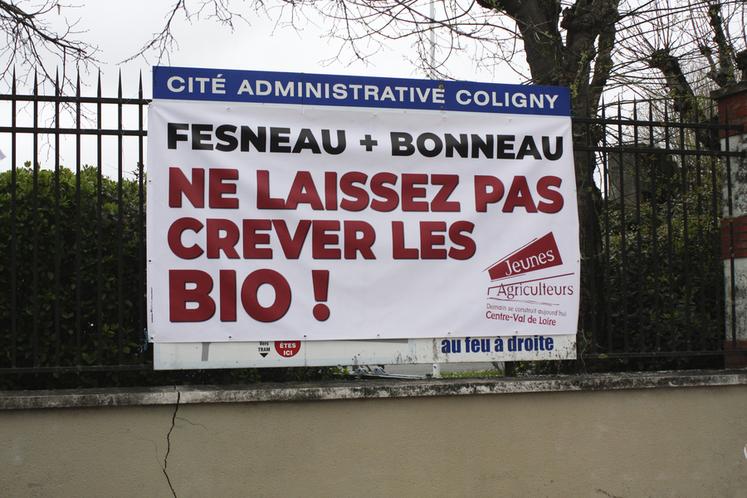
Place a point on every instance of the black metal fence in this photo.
(72, 270)
(73, 241)
(663, 186)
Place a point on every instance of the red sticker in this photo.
(287, 349)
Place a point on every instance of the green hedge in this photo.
(67, 259)
(73, 250)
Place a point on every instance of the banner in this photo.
(289, 206)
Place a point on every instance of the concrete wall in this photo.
(658, 442)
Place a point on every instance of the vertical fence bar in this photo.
(609, 323)
(730, 214)
(120, 225)
(140, 216)
(623, 266)
(57, 235)
(35, 230)
(701, 310)
(78, 227)
(670, 211)
(99, 202)
(715, 223)
(592, 313)
(638, 231)
(13, 221)
(685, 234)
(654, 174)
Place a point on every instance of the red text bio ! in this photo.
(287, 349)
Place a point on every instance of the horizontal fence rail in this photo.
(72, 277)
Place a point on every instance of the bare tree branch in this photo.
(35, 46)
(725, 73)
(163, 42)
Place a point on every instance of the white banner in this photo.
(290, 221)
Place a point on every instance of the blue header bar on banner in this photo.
(180, 83)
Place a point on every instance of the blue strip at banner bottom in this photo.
(180, 83)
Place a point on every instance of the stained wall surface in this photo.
(659, 442)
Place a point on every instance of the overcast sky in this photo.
(260, 44)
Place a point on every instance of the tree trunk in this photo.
(590, 29)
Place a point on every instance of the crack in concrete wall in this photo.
(165, 465)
